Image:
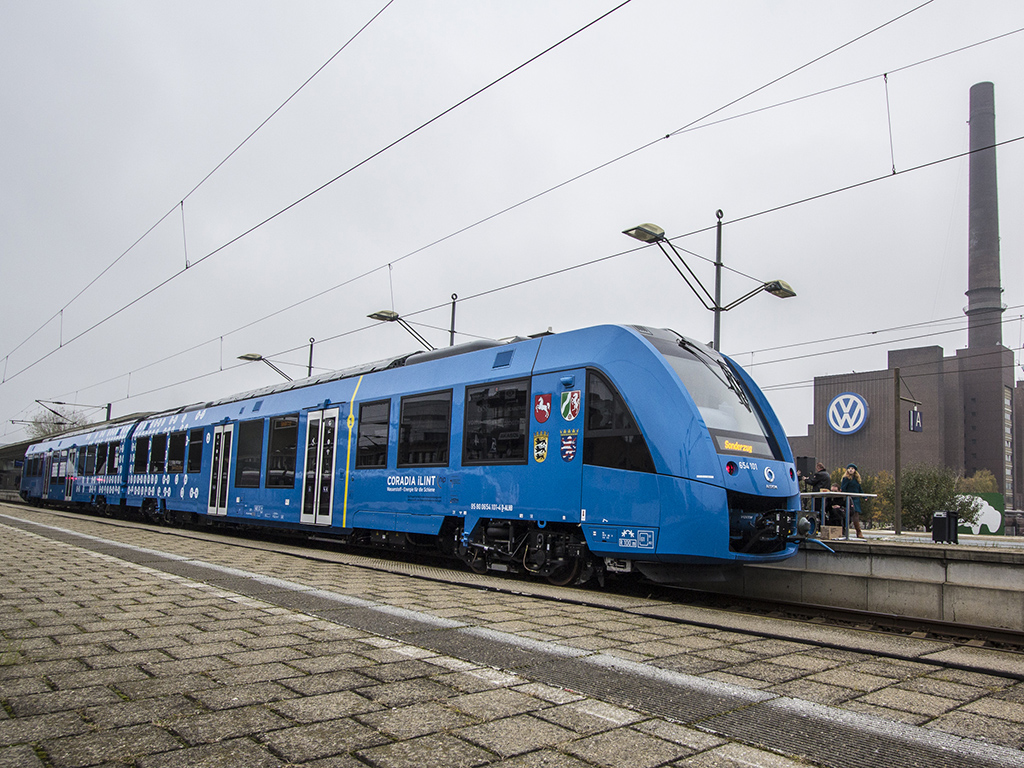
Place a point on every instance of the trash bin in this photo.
(944, 525)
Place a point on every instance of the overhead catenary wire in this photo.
(153, 289)
(692, 126)
(323, 186)
(558, 271)
(605, 258)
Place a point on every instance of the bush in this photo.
(980, 482)
(924, 491)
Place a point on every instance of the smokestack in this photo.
(984, 305)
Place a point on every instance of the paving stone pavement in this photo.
(106, 662)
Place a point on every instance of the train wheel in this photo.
(565, 574)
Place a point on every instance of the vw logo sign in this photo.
(769, 475)
(847, 413)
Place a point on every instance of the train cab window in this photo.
(611, 437)
(101, 459)
(158, 454)
(113, 456)
(195, 451)
(141, 455)
(90, 460)
(732, 417)
(425, 429)
(176, 452)
(372, 445)
(495, 430)
(284, 442)
(249, 460)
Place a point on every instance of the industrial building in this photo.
(962, 411)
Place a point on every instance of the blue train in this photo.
(569, 455)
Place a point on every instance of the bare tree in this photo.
(52, 422)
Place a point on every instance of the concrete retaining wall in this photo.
(966, 585)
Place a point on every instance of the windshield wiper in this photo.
(728, 378)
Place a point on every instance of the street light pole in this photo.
(390, 316)
(255, 357)
(652, 233)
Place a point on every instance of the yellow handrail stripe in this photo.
(348, 453)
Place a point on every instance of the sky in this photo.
(495, 151)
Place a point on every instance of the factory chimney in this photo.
(984, 305)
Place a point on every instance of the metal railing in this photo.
(823, 495)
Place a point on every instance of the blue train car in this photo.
(613, 448)
(79, 468)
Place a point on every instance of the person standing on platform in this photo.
(834, 508)
(818, 482)
(851, 484)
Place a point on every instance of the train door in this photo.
(47, 464)
(220, 470)
(58, 476)
(72, 471)
(556, 432)
(319, 467)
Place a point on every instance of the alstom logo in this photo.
(847, 413)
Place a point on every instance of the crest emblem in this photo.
(571, 404)
(540, 446)
(541, 408)
(847, 413)
(569, 438)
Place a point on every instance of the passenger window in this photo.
(249, 460)
(101, 459)
(284, 441)
(176, 453)
(495, 430)
(141, 455)
(158, 454)
(424, 430)
(611, 437)
(81, 462)
(113, 458)
(90, 460)
(195, 451)
(372, 443)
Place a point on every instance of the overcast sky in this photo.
(114, 112)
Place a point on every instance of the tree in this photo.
(925, 490)
(982, 481)
(882, 513)
(52, 422)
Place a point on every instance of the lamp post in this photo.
(390, 316)
(253, 357)
(652, 233)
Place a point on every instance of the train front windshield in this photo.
(731, 416)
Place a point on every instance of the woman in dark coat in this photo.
(851, 484)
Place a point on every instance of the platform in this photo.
(131, 647)
(979, 581)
